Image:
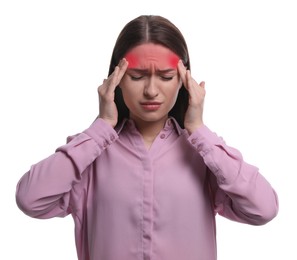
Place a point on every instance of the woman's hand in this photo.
(194, 114)
(107, 107)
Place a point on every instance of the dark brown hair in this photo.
(151, 29)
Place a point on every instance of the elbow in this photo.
(265, 217)
(25, 198)
(25, 204)
(28, 203)
(42, 208)
(271, 209)
(270, 213)
(35, 208)
(256, 213)
(265, 213)
(258, 218)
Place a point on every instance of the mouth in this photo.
(151, 106)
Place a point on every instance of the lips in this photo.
(151, 106)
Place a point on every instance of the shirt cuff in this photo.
(102, 133)
(203, 140)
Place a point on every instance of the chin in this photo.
(149, 117)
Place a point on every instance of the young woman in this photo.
(147, 178)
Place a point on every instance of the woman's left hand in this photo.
(194, 114)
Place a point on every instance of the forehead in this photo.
(147, 54)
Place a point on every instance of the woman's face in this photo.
(151, 83)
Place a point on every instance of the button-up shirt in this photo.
(133, 203)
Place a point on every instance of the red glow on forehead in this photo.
(173, 60)
(132, 60)
(149, 54)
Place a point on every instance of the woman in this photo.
(147, 178)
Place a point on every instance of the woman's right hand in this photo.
(107, 107)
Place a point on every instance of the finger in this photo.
(189, 81)
(123, 65)
(202, 84)
(195, 90)
(182, 71)
(109, 84)
(117, 75)
(192, 83)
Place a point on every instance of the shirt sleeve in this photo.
(44, 191)
(240, 192)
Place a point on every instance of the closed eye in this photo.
(136, 77)
(165, 75)
(166, 78)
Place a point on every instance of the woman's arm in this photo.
(241, 193)
(44, 191)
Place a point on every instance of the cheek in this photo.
(130, 89)
(125, 82)
(176, 94)
(126, 95)
(173, 92)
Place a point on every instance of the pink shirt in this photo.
(130, 203)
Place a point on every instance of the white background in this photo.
(54, 54)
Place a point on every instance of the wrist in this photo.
(192, 128)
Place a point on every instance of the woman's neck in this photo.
(149, 130)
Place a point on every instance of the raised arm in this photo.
(240, 192)
(44, 191)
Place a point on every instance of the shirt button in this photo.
(162, 136)
(105, 144)
(194, 141)
(112, 137)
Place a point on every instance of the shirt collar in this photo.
(170, 123)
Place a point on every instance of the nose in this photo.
(151, 89)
